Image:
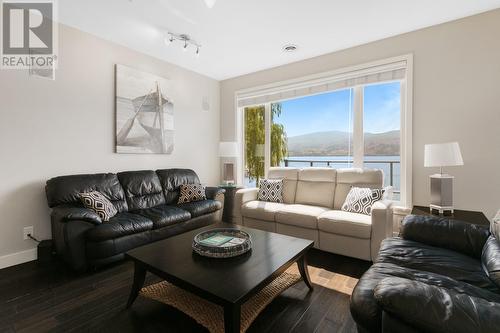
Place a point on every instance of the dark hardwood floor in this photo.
(36, 298)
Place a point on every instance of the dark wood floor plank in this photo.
(51, 298)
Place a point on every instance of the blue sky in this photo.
(331, 111)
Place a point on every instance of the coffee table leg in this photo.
(139, 276)
(304, 272)
(232, 318)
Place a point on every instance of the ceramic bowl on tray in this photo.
(222, 243)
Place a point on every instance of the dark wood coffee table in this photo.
(227, 282)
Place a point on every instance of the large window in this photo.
(360, 125)
(382, 131)
(318, 130)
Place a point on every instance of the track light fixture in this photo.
(171, 37)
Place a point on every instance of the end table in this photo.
(227, 214)
(463, 215)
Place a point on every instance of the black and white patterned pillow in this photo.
(271, 190)
(360, 200)
(495, 226)
(192, 192)
(98, 203)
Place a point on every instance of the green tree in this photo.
(255, 138)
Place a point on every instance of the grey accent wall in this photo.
(67, 126)
(456, 98)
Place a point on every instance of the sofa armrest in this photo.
(68, 234)
(456, 235)
(240, 198)
(381, 225)
(69, 213)
(215, 193)
(434, 309)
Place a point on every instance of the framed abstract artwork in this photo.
(144, 113)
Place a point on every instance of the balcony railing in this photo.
(331, 162)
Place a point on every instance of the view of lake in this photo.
(371, 162)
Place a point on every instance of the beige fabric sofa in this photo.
(312, 209)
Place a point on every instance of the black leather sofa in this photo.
(441, 275)
(147, 211)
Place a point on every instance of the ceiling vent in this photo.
(290, 48)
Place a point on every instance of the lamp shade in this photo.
(228, 149)
(443, 154)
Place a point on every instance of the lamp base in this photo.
(441, 192)
(441, 209)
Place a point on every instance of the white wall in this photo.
(67, 126)
(456, 98)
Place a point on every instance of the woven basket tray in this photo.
(218, 251)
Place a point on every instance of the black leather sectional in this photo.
(147, 211)
(441, 275)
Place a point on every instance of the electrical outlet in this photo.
(27, 231)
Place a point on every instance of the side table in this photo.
(463, 215)
(227, 213)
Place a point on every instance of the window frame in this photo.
(358, 135)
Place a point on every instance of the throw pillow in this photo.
(97, 202)
(360, 200)
(192, 192)
(271, 190)
(495, 226)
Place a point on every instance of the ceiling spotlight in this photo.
(186, 39)
(289, 48)
(168, 40)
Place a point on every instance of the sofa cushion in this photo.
(172, 179)
(304, 216)
(142, 189)
(427, 258)
(198, 208)
(456, 235)
(316, 186)
(345, 223)
(347, 178)
(290, 177)
(364, 307)
(65, 190)
(122, 224)
(432, 309)
(164, 215)
(261, 210)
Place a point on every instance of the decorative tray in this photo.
(222, 243)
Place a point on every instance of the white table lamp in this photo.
(442, 155)
(228, 149)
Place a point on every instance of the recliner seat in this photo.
(439, 276)
(147, 211)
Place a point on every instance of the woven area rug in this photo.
(210, 315)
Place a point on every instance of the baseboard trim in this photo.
(18, 258)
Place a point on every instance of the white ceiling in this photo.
(244, 36)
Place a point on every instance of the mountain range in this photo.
(336, 143)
